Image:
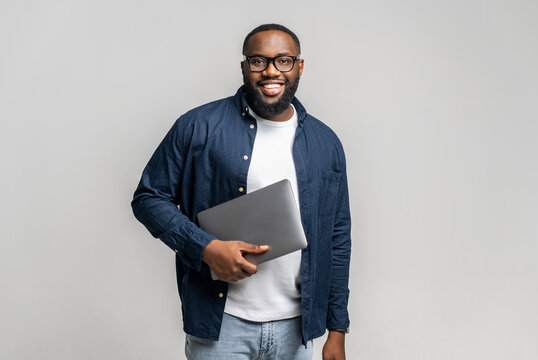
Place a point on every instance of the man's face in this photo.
(270, 92)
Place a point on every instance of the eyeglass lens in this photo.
(260, 63)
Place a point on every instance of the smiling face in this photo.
(270, 92)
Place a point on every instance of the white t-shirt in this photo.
(273, 293)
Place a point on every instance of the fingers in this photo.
(254, 249)
(248, 267)
(227, 260)
(237, 273)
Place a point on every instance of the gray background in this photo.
(435, 102)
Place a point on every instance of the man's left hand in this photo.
(334, 348)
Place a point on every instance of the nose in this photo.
(271, 70)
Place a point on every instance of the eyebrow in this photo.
(279, 54)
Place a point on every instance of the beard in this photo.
(265, 109)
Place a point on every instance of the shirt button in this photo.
(251, 126)
(243, 114)
(245, 157)
(221, 295)
(241, 189)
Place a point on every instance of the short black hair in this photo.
(267, 27)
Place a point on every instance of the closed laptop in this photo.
(267, 216)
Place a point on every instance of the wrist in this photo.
(336, 337)
(207, 251)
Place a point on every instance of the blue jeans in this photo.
(241, 339)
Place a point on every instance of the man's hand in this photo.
(334, 348)
(226, 259)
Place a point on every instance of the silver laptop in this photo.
(268, 216)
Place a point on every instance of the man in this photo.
(223, 150)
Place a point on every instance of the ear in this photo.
(243, 68)
(301, 64)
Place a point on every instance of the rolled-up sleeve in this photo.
(337, 314)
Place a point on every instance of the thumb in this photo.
(255, 249)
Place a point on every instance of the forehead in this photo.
(271, 43)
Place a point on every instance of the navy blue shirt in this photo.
(200, 164)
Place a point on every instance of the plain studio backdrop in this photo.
(434, 101)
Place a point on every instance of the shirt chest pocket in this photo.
(329, 182)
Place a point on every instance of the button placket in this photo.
(241, 189)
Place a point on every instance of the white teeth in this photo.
(271, 86)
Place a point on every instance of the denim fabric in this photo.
(246, 340)
(200, 163)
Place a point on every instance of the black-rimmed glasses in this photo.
(259, 63)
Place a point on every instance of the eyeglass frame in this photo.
(271, 60)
